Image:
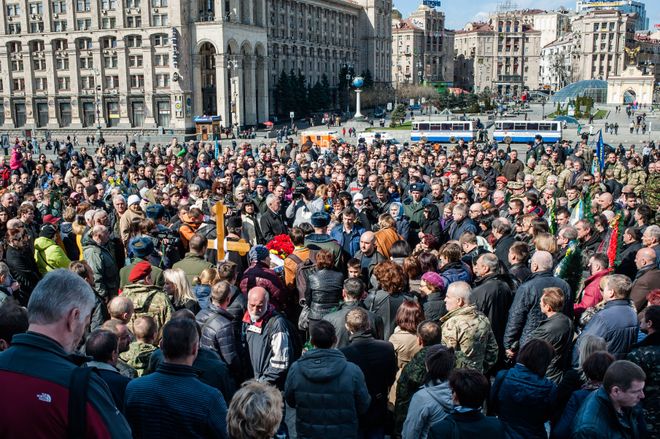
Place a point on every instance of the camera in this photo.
(299, 191)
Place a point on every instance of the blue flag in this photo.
(600, 151)
(217, 149)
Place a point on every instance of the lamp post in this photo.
(349, 76)
(97, 103)
(358, 82)
(232, 64)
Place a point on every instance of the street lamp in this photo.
(349, 76)
(232, 64)
(97, 102)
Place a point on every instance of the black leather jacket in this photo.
(324, 293)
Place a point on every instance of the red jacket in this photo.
(591, 294)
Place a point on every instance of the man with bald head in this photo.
(368, 256)
(525, 314)
(605, 202)
(647, 278)
(269, 343)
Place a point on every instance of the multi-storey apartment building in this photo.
(601, 38)
(422, 49)
(504, 53)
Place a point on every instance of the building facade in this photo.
(143, 64)
(556, 63)
(601, 39)
(422, 49)
(503, 53)
(150, 64)
(473, 57)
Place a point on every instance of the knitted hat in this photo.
(133, 199)
(141, 270)
(434, 279)
(141, 246)
(258, 253)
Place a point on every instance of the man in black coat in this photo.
(351, 295)
(525, 314)
(377, 360)
(272, 223)
(492, 295)
(631, 243)
(557, 330)
(502, 232)
(221, 332)
(102, 345)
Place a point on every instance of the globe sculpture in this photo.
(358, 82)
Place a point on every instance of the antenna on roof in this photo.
(506, 6)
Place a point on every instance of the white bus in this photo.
(523, 131)
(449, 131)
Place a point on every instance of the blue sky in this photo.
(459, 12)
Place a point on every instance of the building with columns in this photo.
(318, 37)
(146, 65)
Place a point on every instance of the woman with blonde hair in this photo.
(178, 288)
(203, 284)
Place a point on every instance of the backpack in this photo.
(304, 269)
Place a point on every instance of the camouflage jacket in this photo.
(646, 354)
(151, 301)
(469, 332)
(564, 178)
(137, 356)
(652, 193)
(620, 171)
(411, 379)
(637, 178)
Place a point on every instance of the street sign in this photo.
(292, 115)
(389, 106)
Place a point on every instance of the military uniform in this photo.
(637, 178)
(149, 300)
(652, 193)
(541, 174)
(411, 378)
(469, 332)
(137, 356)
(564, 178)
(620, 172)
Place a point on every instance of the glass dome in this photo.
(593, 88)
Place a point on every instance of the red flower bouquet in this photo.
(281, 246)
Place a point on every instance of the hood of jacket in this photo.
(322, 365)
(42, 243)
(440, 392)
(433, 212)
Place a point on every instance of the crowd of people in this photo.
(356, 291)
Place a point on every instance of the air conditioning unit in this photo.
(155, 11)
(114, 52)
(106, 52)
(33, 16)
(56, 15)
(104, 11)
(10, 18)
(89, 53)
(138, 10)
